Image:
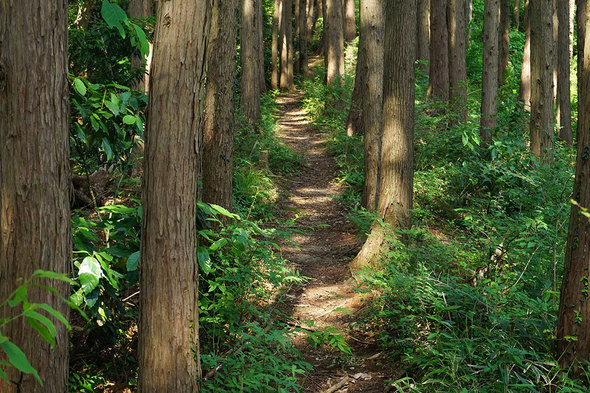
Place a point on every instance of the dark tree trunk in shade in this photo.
(525, 74)
(168, 266)
(423, 32)
(504, 40)
(457, 59)
(541, 125)
(516, 14)
(438, 89)
(489, 91)
(349, 20)
(260, 45)
(564, 112)
(334, 40)
(312, 17)
(276, 44)
(573, 327)
(371, 100)
(219, 105)
(397, 150)
(302, 62)
(35, 179)
(250, 77)
(286, 81)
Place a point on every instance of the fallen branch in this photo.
(339, 385)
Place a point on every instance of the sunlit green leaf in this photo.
(19, 360)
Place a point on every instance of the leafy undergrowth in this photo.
(468, 303)
(246, 346)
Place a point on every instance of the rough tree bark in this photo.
(219, 105)
(438, 88)
(457, 60)
(168, 348)
(564, 111)
(334, 40)
(525, 75)
(260, 45)
(276, 40)
(302, 63)
(35, 178)
(250, 78)
(396, 177)
(489, 91)
(504, 40)
(573, 328)
(286, 81)
(541, 125)
(423, 32)
(371, 99)
(516, 14)
(349, 20)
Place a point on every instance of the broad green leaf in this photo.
(43, 319)
(204, 260)
(42, 330)
(94, 123)
(133, 261)
(18, 296)
(113, 15)
(129, 119)
(223, 211)
(19, 360)
(143, 46)
(79, 86)
(218, 244)
(77, 297)
(108, 150)
(56, 314)
(89, 274)
(113, 107)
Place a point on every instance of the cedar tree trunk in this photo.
(438, 89)
(457, 61)
(250, 78)
(564, 111)
(489, 91)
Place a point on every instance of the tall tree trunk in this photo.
(457, 60)
(516, 14)
(489, 90)
(564, 112)
(141, 9)
(302, 21)
(168, 354)
(525, 75)
(504, 40)
(218, 139)
(541, 126)
(35, 178)
(334, 40)
(276, 44)
(371, 99)
(573, 328)
(250, 78)
(286, 27)
(397, 149)
(349, 21)
(468, 18)
(423, 32)
(260, 45)
(438, 89)
(312, 17)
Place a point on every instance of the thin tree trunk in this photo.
(302, 21)
(468, 17)
(312, 17)
(335, 41)
(349, 20)
(564, 113)
(168, 355)
(423, 27)
(218, 128)
(525, 75)
(260, 45)
(35, 179)
(371, 99)
(141, 9)
(276, 43)
(504, 40)
(438, 89)
(516, 14)
(286, 25)
(573, 328)
(541, 125)
(489, 91)
(457, 60)
(397, 149)
(250, 78)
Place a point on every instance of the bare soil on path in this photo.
(323, 246)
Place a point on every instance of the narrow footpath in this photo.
(324, 248)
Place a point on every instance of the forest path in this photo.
(324, 244)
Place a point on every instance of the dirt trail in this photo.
(324, 249)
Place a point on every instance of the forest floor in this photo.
(324, 243)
